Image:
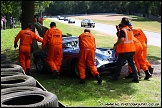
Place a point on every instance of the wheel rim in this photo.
(76, 69)
(39, 64)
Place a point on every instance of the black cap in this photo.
(87, 30)
(52, 24)
(125, 21)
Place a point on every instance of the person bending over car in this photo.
(53, 38)
(87, 47)
(26, 36)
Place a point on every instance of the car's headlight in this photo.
(96, 61)
(109, 52)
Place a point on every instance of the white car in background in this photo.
(87, 22)
(71, 21)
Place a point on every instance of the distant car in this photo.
(87, 22)
(58, 16)
(71, 21)
(66, 18)
(61, 18)
(105, 59)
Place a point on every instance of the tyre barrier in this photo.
(16, 86)
(30, 99)
(17, 80)
(19, 89)
(11, 68)
(3, 57)
(4, 74)
(6, 61)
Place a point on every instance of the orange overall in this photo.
(138, 33)
(87, 54)
(25, 37)
(53, 38)
(138, 57)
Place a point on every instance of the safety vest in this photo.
(54, 36)
(127, 45)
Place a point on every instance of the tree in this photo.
(28, 7)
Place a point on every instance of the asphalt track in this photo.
(152, 38)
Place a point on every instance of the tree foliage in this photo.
(13, 8)
(83, 7)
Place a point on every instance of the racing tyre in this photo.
(17, 80)
(6, 61)
(40, 64)
(4, 74)
(29, 99)
(18, 89)
(11, 68)
(3, 57)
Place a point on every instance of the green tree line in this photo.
(83, 7)
(13, 8)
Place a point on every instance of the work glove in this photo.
(15, 46)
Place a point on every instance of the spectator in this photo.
(1, 22)
(53, 38)
(11, 22)
(87, 47)
(14, 22)
(26, 36)
(4, 23)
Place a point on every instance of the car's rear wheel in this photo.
(40, 64)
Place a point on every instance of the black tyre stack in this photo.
(21, 90)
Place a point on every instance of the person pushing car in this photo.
(53, 38)
(26, 36)
(140, 35)
(87, 47)
(125, 50)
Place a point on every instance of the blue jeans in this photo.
(129, 56)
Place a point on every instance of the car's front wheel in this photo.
(40, 64)
(74, 68)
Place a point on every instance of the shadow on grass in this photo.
(140, 19)
(67, 88)
(153, 58)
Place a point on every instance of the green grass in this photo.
(72, 94)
